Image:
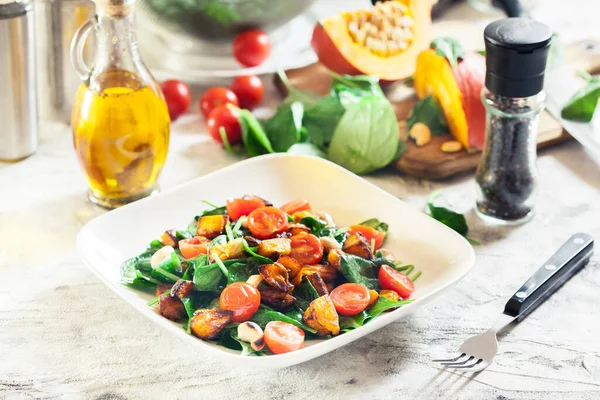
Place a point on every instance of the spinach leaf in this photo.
(447, 217)
(377, 225)
(350, 323)
(429, 112)
(366, 138)
(338, 234)
(582, 105)
(221, 239)
(364, 84)
(241, 270)
(305, 293)
(208, 277)
(229, 338)
(307, 149)
(358, 270)
(321, 120)
(212, 211)
(283, 129)
(264, 315)
(382, 305)
(306, 97)
(449, 48)
(253, 135)
(313, 223)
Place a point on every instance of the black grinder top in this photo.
(516, 50)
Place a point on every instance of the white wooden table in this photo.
(63, 334)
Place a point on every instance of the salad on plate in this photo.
(263, 279)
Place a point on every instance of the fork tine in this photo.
(456, 363)
(466, 367)
(449, 359)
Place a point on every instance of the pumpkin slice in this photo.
(384, 41)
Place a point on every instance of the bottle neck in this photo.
(116, 46)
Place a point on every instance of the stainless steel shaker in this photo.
(18, 102)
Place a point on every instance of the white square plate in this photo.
(442, 255)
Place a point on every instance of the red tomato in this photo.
(252, 47)
(241, 298)
(177, 96)
(266, 222)
(369, 233)
(391, 279)
(295, 206)
(282, 337)
(249, 90)
(307, 248)
(237, 208)
(223, 116)
(193, 247)
(350, 298)
(215, 97)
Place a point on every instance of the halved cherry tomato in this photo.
(193, 247)
(252, 47)
(228, 119)
(391, 279)
(282, 337)
(249, 90)
(237, 208)
(266, 222)
(295, 206)
(350, 298)
(241, 298)
(306, 248)
(215, 97)
(369, 233)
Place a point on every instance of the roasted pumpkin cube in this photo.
(390, 295)
(358, 245)
(292, 265)
(206, 324)
(212, 226)
(272, 248)
(277, 299)
(297, 229)
(327, 272)
(169, 238)
(182, 288)
(334, 257)
(318, 283)
(162, 287)
(227, 251)
(171, 307)
(298, 216)
(322, 317)
(276, 275)
(374, 297)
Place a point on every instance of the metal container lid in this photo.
(14, 8)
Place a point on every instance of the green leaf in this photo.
(263, 316)
(358, 270)
(242, 270)
(363, 84)
(582, 105)
(338, 234)
(377, 225)
(321, 120)
(447, 217)
(429, 112)
(258, 257)
(229, 338)
(207, 277)
(283, 129)
(384, 304)
(366, 139)
(449, 48)
(307, 149)
(306, 97)
(253, 135)
(305, 293)
(313, 223)
(212, 211)
(350, 323)
(481, 52)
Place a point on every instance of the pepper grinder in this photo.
(516, 51)
(18, 107)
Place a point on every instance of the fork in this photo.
(477, 352)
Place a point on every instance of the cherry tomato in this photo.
(252, 47)
(391, 279)
(241, 298)
(249, 90)
(237, 208)
(369, 233)
(306, 249)
(350, 298)
(266, 222)
(223, 116)
(282, 337)
(215, 97)
(193, 247)
(295, 206)
(177, 96)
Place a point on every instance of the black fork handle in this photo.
(566, 262)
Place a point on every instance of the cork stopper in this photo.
(115, 8)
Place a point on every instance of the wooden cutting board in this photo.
(429, 161)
